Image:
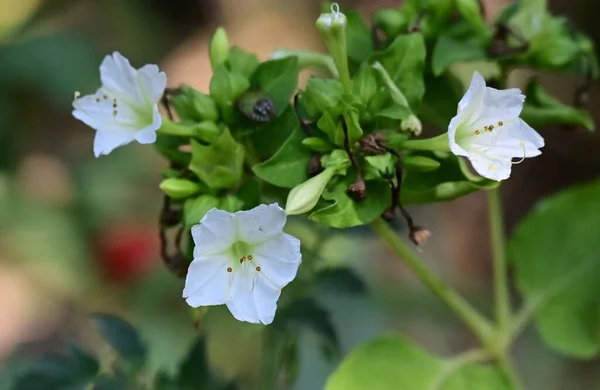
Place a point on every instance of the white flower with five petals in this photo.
(488, 131)
(242, 260)
(125, 107)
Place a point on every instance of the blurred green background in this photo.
(80, 235)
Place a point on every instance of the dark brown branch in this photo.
(358, 190)
(303, 124)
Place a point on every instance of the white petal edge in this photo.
(265, 297)
(474, 93)
(260, 223)
(119, 78)
(494, 169)
(241, 302)
(279, 259)
(148, 134)
(215, 233)
(152, 82)
(108, 140)
(207, 281)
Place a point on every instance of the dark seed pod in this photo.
(257, 106)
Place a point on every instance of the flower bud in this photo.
(193, 105)
(219, 48)
(412, 124)
(305, 196)
(179, 188)
(332, 27)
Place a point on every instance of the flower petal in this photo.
(474, 94)
(207, 281)
(265, 297)
(453, 135)
(215, 233)
(278, 259)
(261, 223)
(120, 78)
(148, 134)
(241, 301)
(152, 82)
(107, 140)
(501, 105)
(494, 169)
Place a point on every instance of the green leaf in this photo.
(241, 62)
(220, 164)
(193, 105)
(289, 166)
(123, 337)
(179, 188)
(384, 163)
(321, 94)
(555, 252)
(231, 203)
(472, 12)
(542, 110)
(194, 372)
(345, 212)
(278, 79)
(449, 181)
(269, 138)
(358, 38)
(331, 125)
(318, 144)
(392, 363)
(448, 51)
(195, 209)
(404, 60)
(395, 112)
(225, 88)
(364, 84)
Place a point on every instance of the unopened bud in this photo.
(219, 48)
(179, 188)
(304, 197)
(412, 124)
(358, 190)
(371, 144)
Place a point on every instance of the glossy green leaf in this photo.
(239, 61)
(450, 180)
(321, 94)
(358, 38)
(345, 212)
(289, 166)
(269, 138)
(555, 252)
(220, 164)
(448, 51)
(392, 363)
(318, 144)
(193, 105)
(404, 60)
(364, 84)
(278, 79)
(225, 88)
(123, 337)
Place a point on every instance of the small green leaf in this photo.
(321, 94)
(225, 88)
(318, 144)
(345, 212)
(278, 79)
(231, 203)
(220, 164)
(420, 163)
(193, 105)
(242, 62)
(384, 163)
(195, 209)
(555, 252)
(364, 84)
(404, 60)
(269, 138)
(289, 166)
(218, 48)
(448, 51)
(392, 363)
(338, 160)
(395, 112)
(123, 337)
(472, 12)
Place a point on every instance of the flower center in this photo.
(242, 250)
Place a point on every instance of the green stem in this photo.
(501, 294)
(308, 59)
(439, 144)
(480, 326)
(510, 372)
(171, 128)
(395, 92)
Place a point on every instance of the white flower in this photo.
(488, 131)
(242, 260)
(125, 107)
